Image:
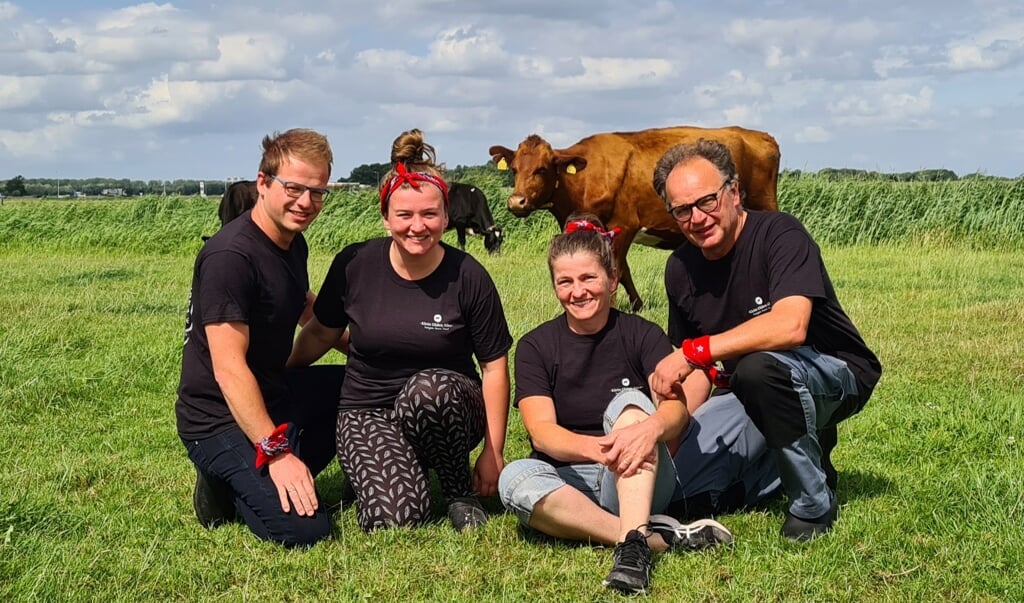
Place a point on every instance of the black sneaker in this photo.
(213, 501)
(631, 565)
(804, 530)
(466, 513)
(701, 534)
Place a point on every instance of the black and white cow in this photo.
(238, 197)
(468, 213)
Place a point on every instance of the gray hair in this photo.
(711, 150)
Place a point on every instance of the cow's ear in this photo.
(570, 164)
(501, 156)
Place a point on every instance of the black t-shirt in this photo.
(240, 275)
(775, 257)
(399, 327)
(582, 373)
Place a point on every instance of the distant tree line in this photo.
(371, 173)
(20, 186)
(918, 176)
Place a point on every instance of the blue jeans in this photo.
(525, 482)
(229, 456)
(792, 396)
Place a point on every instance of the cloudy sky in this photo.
(187, 89)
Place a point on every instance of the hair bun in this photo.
(411, 149)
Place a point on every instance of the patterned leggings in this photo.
(437, 420)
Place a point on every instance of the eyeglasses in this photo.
(295, 190)
(707, 204)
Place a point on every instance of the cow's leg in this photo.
(460, 232)
(620, 248)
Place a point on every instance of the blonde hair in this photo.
(302, 144)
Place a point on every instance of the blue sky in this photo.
(188, 89)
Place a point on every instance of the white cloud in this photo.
(893, 109)
(733, 85)
(616, 73)
(8, 11)
(833, 81)
(745, 115)
(466, 50)
(809, 46)
(166, 102)
(812, 134)
(20, 92)
(239, 57)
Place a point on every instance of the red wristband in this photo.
(697, 352)
(718, 377)
(273, 445)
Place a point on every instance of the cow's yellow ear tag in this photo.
(502, 164)
(570, 169)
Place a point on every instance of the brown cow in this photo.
(610, 176)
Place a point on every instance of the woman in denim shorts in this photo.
(600, 465)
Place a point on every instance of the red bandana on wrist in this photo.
(413, 179)
(575, 225)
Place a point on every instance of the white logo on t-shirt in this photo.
(437, 324)
(760, 306)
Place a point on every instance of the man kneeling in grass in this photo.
(256, 432)
(761, 328)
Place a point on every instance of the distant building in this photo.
(112, 192)
(341, 186)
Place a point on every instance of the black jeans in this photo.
(231, 457)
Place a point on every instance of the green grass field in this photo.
(95, 491)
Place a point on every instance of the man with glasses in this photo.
(760, 328)
(256, 432)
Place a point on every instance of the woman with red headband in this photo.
(418, 312)
(600, 465)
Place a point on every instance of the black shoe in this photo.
(213, 501)
(827, 439)
(804, 530)
(466, 513)
(631, 565)
(701, 534)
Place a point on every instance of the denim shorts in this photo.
(525, 482)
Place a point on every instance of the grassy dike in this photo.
(95, 487)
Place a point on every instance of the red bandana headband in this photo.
(413, 179)
(588, 225)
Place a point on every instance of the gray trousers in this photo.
(723, 462)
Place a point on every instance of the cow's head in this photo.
(493, 239)
(537, 168)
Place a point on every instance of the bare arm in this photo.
(784, 327)
(307, 314)
(313, 342)
(547, 436)
(496, 394)
(229, 342)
